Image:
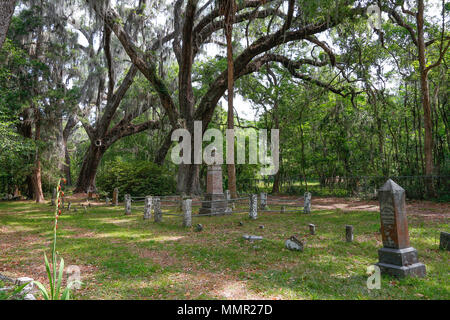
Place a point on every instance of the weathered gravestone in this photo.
(307, 203)
(127, 204)
(107, 201)
(349, 233)
(263, 199)
(214, 201)
(397, 257)
(187, 213)
(312, 229)
(294, 244)
(444, 242)
(253, 208)
(116, 197)
(148, 208)
(157, 213)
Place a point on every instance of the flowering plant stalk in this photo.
(54, 276)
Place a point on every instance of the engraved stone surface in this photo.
(444, 242)
(148, 207)
(394, 225)
(307, 203)
(187, 211)
(397, 257)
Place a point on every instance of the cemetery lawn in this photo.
(125, 257)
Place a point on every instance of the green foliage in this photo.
(135, 177)
(10, 294)
(55, 274)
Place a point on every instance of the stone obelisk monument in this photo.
(215, 200)
(397, 257)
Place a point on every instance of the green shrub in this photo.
(136, 177)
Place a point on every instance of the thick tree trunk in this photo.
(66, 167)
(428, 143)
(86, 179)
(188, 179)
(6, 12)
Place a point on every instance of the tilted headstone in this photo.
(253, 210)
(198, 227)
(187, 213)
(444, 241)
(397, 257)
(307, 203)
(349, 233)
(294, 244)
(116, 196)
(127, 204)
(312, 229)
(148, 207)
(157, 213)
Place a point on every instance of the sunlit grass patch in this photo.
(131, 258)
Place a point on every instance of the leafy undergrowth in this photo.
(125, 257)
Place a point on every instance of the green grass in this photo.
(125, 257)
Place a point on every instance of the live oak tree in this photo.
(198, 28)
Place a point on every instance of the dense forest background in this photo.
(92, 90)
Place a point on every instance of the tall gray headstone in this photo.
(307, 203)
(397, 257)
(187, 213)
(263, 203)
(157, 213)
(127, 204)
(253, 210)
(148, 208)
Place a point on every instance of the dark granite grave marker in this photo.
(397, 257)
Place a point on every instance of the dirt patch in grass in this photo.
(426, 209)
(217, 285)
(22, 256)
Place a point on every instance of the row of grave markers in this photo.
(154, 204)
